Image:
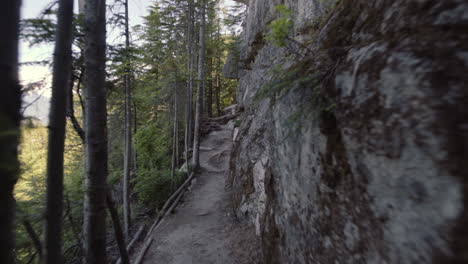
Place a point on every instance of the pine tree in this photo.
(189, 103)
(10, 103)
(96, 133)
(200, 88)
(128, 131)
(56, 141)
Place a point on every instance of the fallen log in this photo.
(169, 203)
(148, 243)
(143, 252)
(223, 119)
(135, 238)
(133, 241)
(230, 109)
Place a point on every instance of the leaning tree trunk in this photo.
(56, 140)
(10, 103)
(119, 235)
(128, 134)
(200, 88)
(95, 186)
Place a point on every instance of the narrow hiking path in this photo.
(201, 230)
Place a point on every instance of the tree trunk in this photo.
(71, 106)
(209, 97)
(95, 185)
(200, 88)
(119, 235)
(175, 138)
(176, 123)
(218, 75)
(10, 104)
(188, 118)
(128, 134)
(134, 152)
(218, 94)
(34, 237)
(56, 140)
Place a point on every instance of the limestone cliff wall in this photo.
(352, 147)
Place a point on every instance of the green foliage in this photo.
(155, 186)
(37, 31)
(32, 156)
(157, 62)
(154, 183)
(30, 189)
(153, 145)
(279, 28)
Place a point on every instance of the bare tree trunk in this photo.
(209, 97)
(34, 237)
(56, 140)
(175, 137)
(188, 118)
(177, 160)
(128, 135)
(134, 152)
(218, 94)
(195, 40)
(10, 104)
(119, 235)
(218, 75)
(200, 89)
(95, 185)
(71, 108)
(176, 121)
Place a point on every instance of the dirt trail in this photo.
(201, 230)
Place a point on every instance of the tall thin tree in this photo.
(189, 108)
(218, 68)
(10, 103)
(56, 139)
(200, 88)
(119, 235)
(175, 136)
(128, 131)
(95, 184)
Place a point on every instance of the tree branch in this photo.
(34, 237)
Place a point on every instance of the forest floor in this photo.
(202, 229)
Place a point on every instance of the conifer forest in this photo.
(233, 131)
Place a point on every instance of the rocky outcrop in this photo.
(352, 147)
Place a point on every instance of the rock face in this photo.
(353, 143)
